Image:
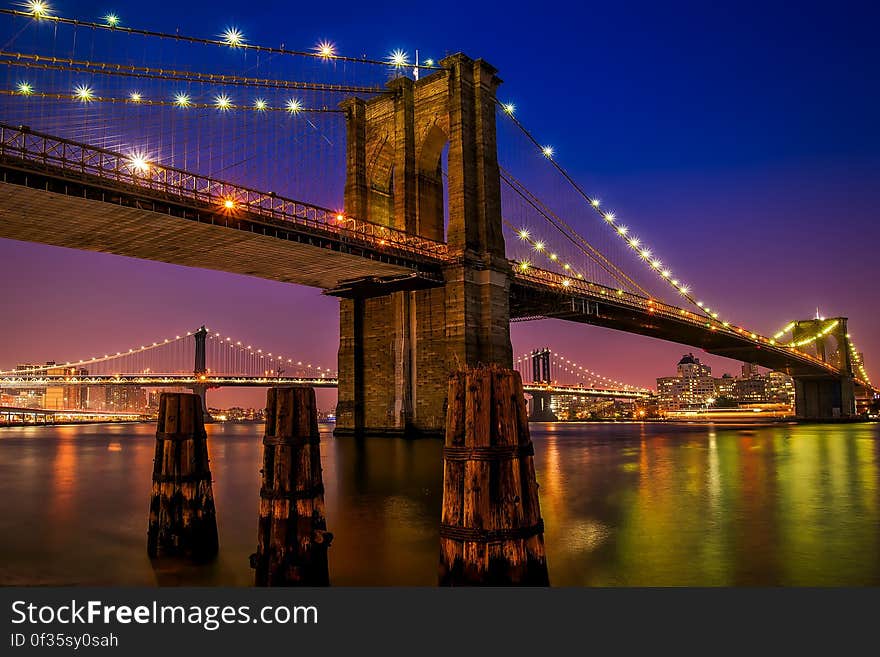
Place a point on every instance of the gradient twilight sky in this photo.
(742, 141)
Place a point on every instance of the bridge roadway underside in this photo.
(92, 219)
(528, 299)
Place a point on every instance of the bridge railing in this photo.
(223, 197)
(570, 285)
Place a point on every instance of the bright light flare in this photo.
(398, 58)
(509, 108)
(294, 106)
(135, 97)
(229, 204)
(182, 100)
(326, 49)
(547, 151)
(539, 246)
(111, 19)
(222, 102)
(233, 37)
(138, 162)
(83, 93)
(37, 8)
(260, 105)
(523, 234)
(24, 88)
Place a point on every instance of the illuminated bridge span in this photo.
(205, 359)
(435, 215)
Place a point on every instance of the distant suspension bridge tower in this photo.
(541, 374)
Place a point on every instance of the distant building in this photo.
(125, 398)
(724, 386)
(576, 407)
(780, 388)
(66, 397)
(70, 397)
(692, 387)
(751, 390)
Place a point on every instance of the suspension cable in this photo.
(222, 103)
(91, 361)
(609, 217)
(569, 233)
(30, 60)
(237, 42)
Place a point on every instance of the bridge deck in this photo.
(230, 380)
(93, 225)
(67, 194)
(537, 293)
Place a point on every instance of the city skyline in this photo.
(741, 165)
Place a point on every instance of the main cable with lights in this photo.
(609, 217)
(569, 233)
(31, 61)
(231, 38)
(84, 94)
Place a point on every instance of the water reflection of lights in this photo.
(714, 474)
(584, 536)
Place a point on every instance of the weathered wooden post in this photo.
(183, 520)
(293, 537)
(491, 530)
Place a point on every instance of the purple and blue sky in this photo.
(741, 141)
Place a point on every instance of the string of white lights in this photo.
(101, 359)
(857, 360)
(276, 359)
(610, 218)
(570, 234)
(32, 61)
(221, 102)
(231, 37)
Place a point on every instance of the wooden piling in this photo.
(183, 520)
(293, 537)
(491, 530)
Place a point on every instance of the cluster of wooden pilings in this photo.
(292, 538)
(491, 530)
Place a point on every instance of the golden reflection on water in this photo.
(780, 505)
(623, 504)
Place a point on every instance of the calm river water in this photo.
(623, 504)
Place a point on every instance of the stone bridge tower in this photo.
(825, 396)
(395, 351)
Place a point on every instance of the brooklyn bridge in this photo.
(408, 189)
